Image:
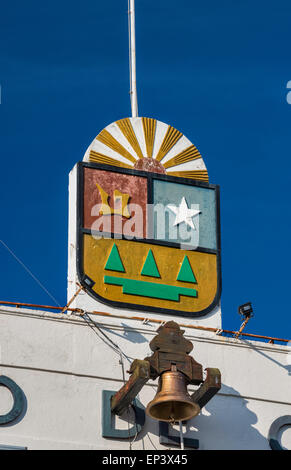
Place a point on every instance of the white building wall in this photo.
(62, 365)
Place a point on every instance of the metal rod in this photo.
(152, 320)
(242, 327)
(72, 298)
(132, 59)
(181, 435)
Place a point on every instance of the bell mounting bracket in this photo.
(170, 348)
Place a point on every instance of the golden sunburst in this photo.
(149, 145)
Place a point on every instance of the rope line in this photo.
(30, 273)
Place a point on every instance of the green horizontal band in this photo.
(150, 289)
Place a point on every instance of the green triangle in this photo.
(150, 268)
(186, 274)
(114, 262)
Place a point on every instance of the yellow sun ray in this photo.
(189, 154)
(97, 157)
(127, 130)
(107, 139)
(201, 175)
(171, 138)
(149, 129)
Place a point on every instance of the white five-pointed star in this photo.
(184, 214)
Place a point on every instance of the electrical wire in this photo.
(108, 341)
(127, 411)
(30, 273)
(147, 434)
(121, 354)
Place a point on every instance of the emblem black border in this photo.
(150, 177)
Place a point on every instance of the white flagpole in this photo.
(132, 62)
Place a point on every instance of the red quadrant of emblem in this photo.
(105, 192)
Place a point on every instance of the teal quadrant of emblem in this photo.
(166, 193)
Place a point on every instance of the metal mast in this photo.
(132, 54)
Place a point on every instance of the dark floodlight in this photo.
(246, 310)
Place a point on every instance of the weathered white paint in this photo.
(190, 166)
(62, 366)
(138, 130)
(115, 131)
(161, 130)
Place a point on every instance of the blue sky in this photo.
(217, 71)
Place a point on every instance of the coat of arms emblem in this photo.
(148, 221)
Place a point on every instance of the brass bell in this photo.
(172, 402)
